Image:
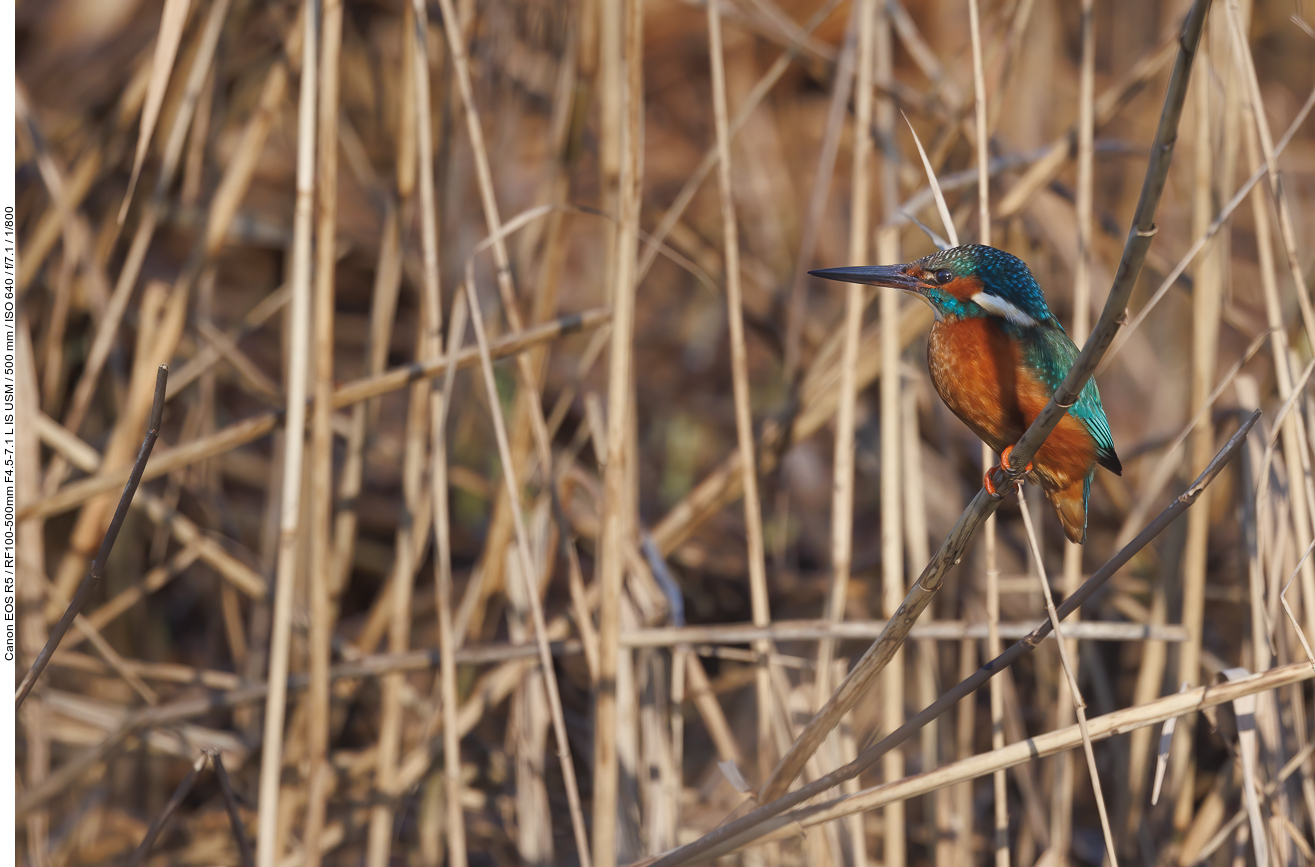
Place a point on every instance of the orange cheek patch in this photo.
(963, 288)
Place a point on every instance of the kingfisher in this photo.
(996, 355)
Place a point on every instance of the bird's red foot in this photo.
(1004, 460)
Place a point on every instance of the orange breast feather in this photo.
(976, 370)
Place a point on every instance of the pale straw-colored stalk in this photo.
(1061, 820)
(529, 383)
(740, 385)
(797, 303)
(842, 500)
(1079, 705)
(625, 104)
(320, 576)
(1302, 508)
(894, 583)
(1207, 298)
(268, 851)
(1099, 728)
(999, 837)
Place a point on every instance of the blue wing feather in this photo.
(1052, 353)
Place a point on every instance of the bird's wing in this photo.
(1052, 353)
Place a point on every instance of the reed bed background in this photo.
(481, 322)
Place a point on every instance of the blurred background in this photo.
(198, 102)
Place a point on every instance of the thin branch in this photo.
(1102, 727)
(234, 816)
(111, 534)
(984, 504)
(740, 831)
(166, 813)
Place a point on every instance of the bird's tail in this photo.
(1071, 505)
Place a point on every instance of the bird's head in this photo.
(961, 282)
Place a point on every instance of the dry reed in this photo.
(361, 582)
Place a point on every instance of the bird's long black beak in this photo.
(891, 276)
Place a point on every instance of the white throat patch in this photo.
(1002, 308)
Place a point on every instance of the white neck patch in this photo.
(1002, 308)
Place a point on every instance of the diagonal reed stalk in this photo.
(951, 550)
(79, 599)
(744, 829)
(209, 242)
(1102, 728)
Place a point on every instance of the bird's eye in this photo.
(943, 276)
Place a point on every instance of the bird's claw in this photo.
(989, 484)
(1004, 459)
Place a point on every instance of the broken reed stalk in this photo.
(736, 833)
(107, 328)
(234, 814)
(111, 534)
(166, 813)
(951, 550)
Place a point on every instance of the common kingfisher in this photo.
(996, 355)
